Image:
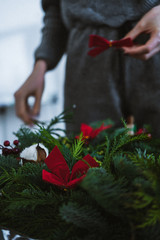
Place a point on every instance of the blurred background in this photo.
(20, 33)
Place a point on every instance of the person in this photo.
(115, 84)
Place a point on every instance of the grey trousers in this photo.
(111, 85)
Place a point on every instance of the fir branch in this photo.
(33, 197)
(107, 192)
(122, 167)
(23, 176)
(6, 176)
(153, 217)
(8, 162)
(83, 216)
(64, 231)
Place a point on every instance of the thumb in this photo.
(37, 105)
(38, 96)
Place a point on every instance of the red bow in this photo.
(101, 44)
(60, 174)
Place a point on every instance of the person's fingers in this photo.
(152, 53)
(33, 86)
(148, 55)
(139, 50)
(37, 103)
(22, 109)
(146, 49)
(36, 107)
(150, 24)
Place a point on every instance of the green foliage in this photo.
(117, 200)
(26, 137)
(106, 122)
(44, 132)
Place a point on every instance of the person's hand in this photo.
(33, 86)
(150, 24)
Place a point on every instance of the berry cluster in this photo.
(7, 149)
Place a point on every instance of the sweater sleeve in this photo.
(54, 34)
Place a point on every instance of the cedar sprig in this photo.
(63, 117)
(47, 138)
(78, 147)
(117, 144)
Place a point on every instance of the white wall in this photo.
(20, 33)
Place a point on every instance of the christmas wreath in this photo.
(100, 184)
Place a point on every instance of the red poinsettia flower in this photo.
(143, 131)
(140, 131)
(60, 174)
(90, 133)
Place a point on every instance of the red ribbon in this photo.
(101, 44)
(60, 173)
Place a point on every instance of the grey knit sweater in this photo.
(63, 15)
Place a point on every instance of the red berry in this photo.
(16, 142)
(15, 150)
(6, 151)
(6, 143)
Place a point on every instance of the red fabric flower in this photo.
(60, 174)
(101, 44)
(90, 133)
